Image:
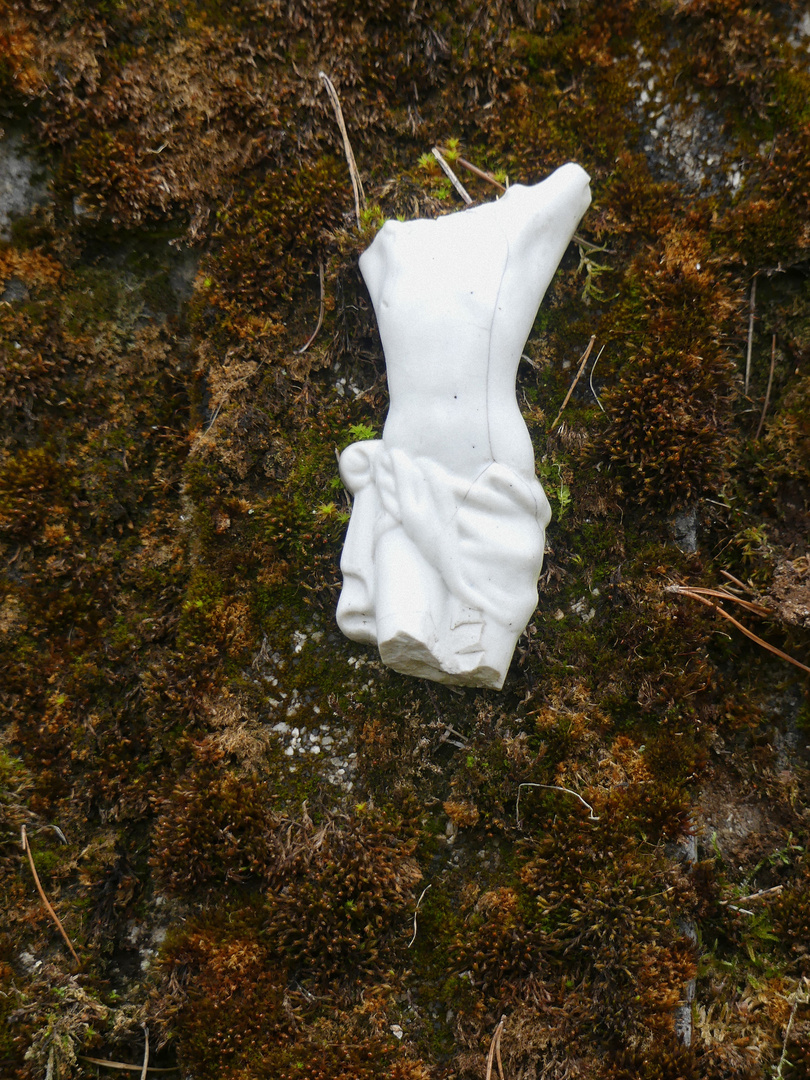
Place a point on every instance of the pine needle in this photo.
(554, 787)
(315, 332)
(122, 1066)
(768, 391)
(685, 591)
(145, 1068)
(27, 849)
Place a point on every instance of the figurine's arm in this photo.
(538, 223)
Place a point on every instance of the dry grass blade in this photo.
(590, 379)
(451, 176)
(799, 998)
(754, 896)
(145, 1067)
(316, 331)
(739, 625)
(498, 1049)
(27, 849)
(493, 1047)
(357, 184)
(418, 902)
(582, 363)
(768, 390)
(750, 333)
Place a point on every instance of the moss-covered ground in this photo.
(276, 856)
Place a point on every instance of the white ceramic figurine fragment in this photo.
(446, 537)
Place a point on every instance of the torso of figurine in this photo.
(436, 288)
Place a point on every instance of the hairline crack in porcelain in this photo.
(447, 532)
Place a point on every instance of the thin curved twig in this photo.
(554, 787)
(751, 316)
(418, 902)
(768, 391)
(590, 378)
(316, 331)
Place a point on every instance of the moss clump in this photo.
(20, 71)
(345, 890)
(171, 520)
(268, 243)
(111, 183)
(214, 828)
(791, 916)
(371, 1059)
(667, 1060)
(231, 1013)
(787, 443)
(23, 480)
(670, 409)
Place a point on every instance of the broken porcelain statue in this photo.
(446, 537)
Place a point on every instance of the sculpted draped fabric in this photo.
(447, 532)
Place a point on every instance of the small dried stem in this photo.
(499, 1033)
(316, 331)
(582, 242)
(768, 390)
(751, 315)
(451, 176)
(554, 787)
(739, 625)
(27, 849)
(481, 173)
(357, 184)
(798, 998)
(582, 363)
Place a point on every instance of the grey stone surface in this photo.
(23, 183)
